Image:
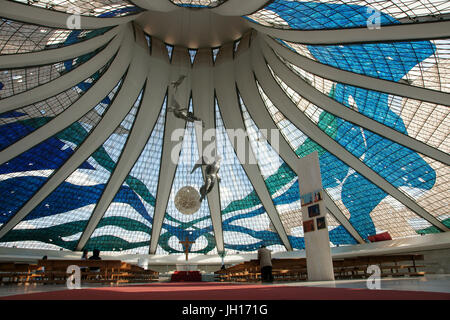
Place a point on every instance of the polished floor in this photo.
(429, 283)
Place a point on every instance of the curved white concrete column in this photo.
(203, 101)
(239, 7)
(300, 120)
(246, 83)
(334, 210)
(224, 81)
(55, 19)
(228, 8)
(171, 149)
(22, 60)
(119, 108)
(398, 32)
(82, 106)
(352, 78)
(332, 106)
(146, 118)
(256, 107)
(64, 82)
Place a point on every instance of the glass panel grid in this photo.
(16, 81)
(281, 181)
(19, 37)
(127, 224)
(302, 15)
(437, 199)
(331, 168)
(246, 225)
(339, 235)
(97, 8)
(423, 64)
(178, 226)
(363, 203)
(62, 216)
(198, 3)
(16, 124)
(426, 122)
(333, 14)
(399, 165)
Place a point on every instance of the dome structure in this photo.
(92, 154)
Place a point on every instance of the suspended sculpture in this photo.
(178, 111)
(183, 113)
(187, 199)
(177, 83)
(211, 175)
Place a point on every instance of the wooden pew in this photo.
(110, 271)
(357, 267)
(399, 265)
(132, 273)
(55, 271)
(11, 272)
(282, 269)
(348, 268)
(289, 269)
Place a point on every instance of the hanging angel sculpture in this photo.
(183, 113)
(178, 111)
(211, 175)
(177, 83)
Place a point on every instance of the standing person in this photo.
(95, 256)
(84, 257)
(41, 269)
(265, 262)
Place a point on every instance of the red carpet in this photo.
(220, 291)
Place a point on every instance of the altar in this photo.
(188, 276)
(187, 267)
(186, 271)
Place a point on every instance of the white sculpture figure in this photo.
(183, 113)
(176, 84)
(211, 171)
(200, 162)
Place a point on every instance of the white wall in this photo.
(435, 247)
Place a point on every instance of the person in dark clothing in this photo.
(42, 269)
(95, 256)
(265, 262)
(84, 257)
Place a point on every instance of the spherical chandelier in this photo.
(187, 200)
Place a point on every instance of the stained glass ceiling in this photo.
(198, 3)
(86, 128)
(332, 14)
(97, 8)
